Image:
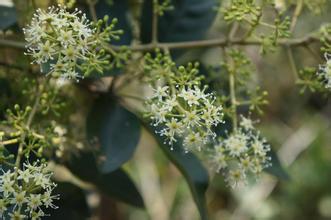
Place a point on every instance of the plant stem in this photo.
(289, 51)
(232, 80)
(292, 62)
(91, 6)
(28, 124)
(8, 142)
(233, 99)
(296, 14)
(155, 21)
(302, 41)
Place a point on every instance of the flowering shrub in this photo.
(53, 150)
(68, 43)
(181, 106)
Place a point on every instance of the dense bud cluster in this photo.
(27, 192)
(180, 107)
(243, 152)
(67, 45)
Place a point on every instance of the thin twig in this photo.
(28, 124)
(296, 14)
(292, 62)
(91, 6)
(294, 42)
(155, 21)
(289, 51)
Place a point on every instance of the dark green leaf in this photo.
(72, 204)
(189, 20)
(7, 17)
(116, 184)
(191, 168)
(84, 165)
(276, 169)
(117, 130)
(119, 185)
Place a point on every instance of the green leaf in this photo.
(7, 17)
(276, 169)
(117, 130)
(116, 184)
(119, 185)
(189, 20)
(84, 165)
(191, 168)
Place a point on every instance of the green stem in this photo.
(292, 62)
(8, 142)
(233, 99)
(28, 124)
(155, 21)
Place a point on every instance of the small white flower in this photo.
(24, 175)
(246, 163)
(46, 52)
(191, 119)
(160, 92)
(170, 103)
(193, 141)
(70, 54)
(7, 188)
(189, 96)
(246, 123)
(236, 178)
(158, 114)
(48, 199)
(17, 216)
(66, 38)
(41, 179)
(34, 201)
(174, 126)
(19, 198)
(37, 215)
(219, 159)
(259, 147)
(236, 144)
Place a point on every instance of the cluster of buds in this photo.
(67, 45)
(241, 153)
(26, 193)
(324, 72)
(180, 107)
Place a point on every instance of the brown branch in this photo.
(190, 44)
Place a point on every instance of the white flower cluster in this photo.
(185, 112)
(243, 152)
(324, 72)
(65, 41)
(25, 193)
